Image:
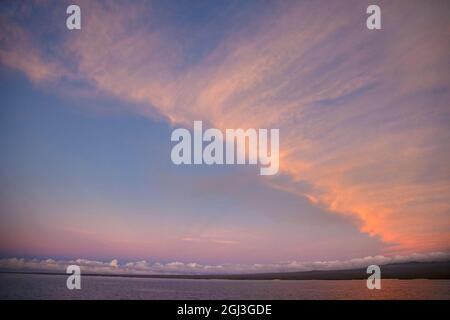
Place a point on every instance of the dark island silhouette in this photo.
(409, 270)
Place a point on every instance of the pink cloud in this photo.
(358, 119)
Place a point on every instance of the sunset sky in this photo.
(86, 117)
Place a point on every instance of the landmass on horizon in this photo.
(405, 271)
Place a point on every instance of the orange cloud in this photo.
(359, 112)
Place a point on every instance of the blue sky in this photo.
(65, 163)
(86, 119)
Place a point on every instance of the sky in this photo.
(86, 117)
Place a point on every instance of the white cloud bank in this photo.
(143, 267)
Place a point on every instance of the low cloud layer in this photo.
(156, 268)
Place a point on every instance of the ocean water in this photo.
(29, 286)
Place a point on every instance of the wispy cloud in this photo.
(361, 113)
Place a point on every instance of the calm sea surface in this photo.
(19, 286)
